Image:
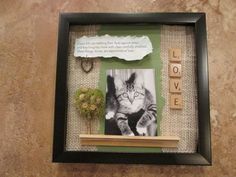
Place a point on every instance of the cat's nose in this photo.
(131, 100)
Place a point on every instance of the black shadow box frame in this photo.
(203, 154)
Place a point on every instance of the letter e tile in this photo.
(176, 101)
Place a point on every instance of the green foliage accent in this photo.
(89, 102)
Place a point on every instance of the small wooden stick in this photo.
(129, 141)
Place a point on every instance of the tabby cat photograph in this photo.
(131, 102)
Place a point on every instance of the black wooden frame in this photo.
(203, 154)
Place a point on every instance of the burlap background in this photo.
(182, 123)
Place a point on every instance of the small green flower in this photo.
(85, 105)
(98, 101)
(93, 107)
(81, 97)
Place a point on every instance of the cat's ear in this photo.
(139, 80)
(118, 83)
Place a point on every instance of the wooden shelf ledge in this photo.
(131, 141)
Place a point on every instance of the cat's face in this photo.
(130, 93)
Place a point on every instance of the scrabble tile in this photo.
(176, 101)
(175, 54)
(175, 85)
(175, 70)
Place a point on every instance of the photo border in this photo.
(203, 156)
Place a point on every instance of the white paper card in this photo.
(127, 47)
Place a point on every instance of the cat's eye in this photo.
(136, 94)
(125, 95)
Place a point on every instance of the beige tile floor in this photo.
(28, 39)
